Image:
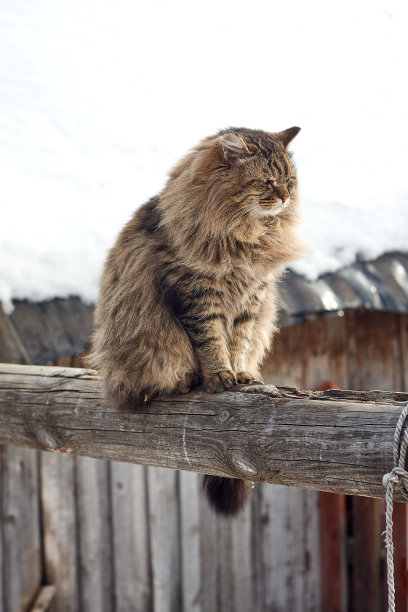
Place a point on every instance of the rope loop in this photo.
(398, 477)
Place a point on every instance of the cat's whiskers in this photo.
(252, 217)
(233, 212)
(249, 208)
(248, 212)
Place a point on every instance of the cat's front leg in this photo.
(209, 339)
(241, 338)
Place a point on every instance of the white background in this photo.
(98, 98)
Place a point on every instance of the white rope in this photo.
(398, 476)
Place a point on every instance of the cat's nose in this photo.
(283, 194)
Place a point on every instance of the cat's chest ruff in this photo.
(239, 287)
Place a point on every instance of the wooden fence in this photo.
(339, 441)
(114, 536)
(123, 537)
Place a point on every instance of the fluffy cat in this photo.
(188, 291)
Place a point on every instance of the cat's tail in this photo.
(226, 496)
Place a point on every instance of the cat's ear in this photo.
(233, 146)
(287, 136)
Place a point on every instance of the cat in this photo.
(188, 292)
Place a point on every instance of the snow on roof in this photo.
(99, 99)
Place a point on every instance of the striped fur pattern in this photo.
(188, 293)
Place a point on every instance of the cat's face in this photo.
(260, 173)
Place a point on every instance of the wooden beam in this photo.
(336, 441)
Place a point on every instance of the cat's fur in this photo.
(189, 289)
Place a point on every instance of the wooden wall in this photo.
(360, 350)
(119, 537)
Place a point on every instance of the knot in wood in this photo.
(47, 439)
(244, 465)
(224, 415)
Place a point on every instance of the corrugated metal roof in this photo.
(58, 328)
(381, 284)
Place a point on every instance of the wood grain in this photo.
(44, 599)
(336, 441)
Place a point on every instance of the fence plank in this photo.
(190, 541)
(60, 530)
(95, 552)
(208, 553)
(278, 574)
(311, 551)
(164, 539)
(130, 538)
(20, 522)
(244, 595)
(295, 524)
(225, 582)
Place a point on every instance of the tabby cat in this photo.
(188, 291)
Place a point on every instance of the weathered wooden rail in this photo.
(338, 441)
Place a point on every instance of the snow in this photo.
(100, 97)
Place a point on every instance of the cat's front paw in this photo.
(245, 378)
(185, 385)
(216, 382)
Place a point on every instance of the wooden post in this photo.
(366, 586)
(333, 552)
(336, 441)
(333, 542)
